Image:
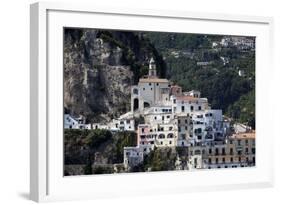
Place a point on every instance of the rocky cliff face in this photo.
(99, 69)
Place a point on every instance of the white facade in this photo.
(99, 126)
(159, 115)
(171, 118)
(150, 91)
(188, 104)
(75, 123)
(132, 156)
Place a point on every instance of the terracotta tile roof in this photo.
(153, 80)
(247, 135)
(187, 98)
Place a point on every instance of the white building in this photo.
(75, 123)
(132, 156)
(188, 104)
(150, 91)
(173, 118)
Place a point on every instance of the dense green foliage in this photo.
(96, 137)
(81, 147)
(218, 80)
(103, 170)
(124, 139)
(182, 41)
(159, 159)
(243, 110)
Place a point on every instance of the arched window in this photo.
(136, 104)
(135, 91)
(170, 135)
(161, 136)
(146, 104)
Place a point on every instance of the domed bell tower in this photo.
(152, 69)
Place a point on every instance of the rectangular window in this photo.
(253, 150)
(217, 151)
(199, 107)
(239, 142)
(191, 108)
(183, 136)
(182, 108)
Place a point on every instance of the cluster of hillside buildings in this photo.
(174, 118)
(243, 43)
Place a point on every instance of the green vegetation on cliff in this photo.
(218, 79)
(95, 150)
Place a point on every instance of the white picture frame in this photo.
(46, 177)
